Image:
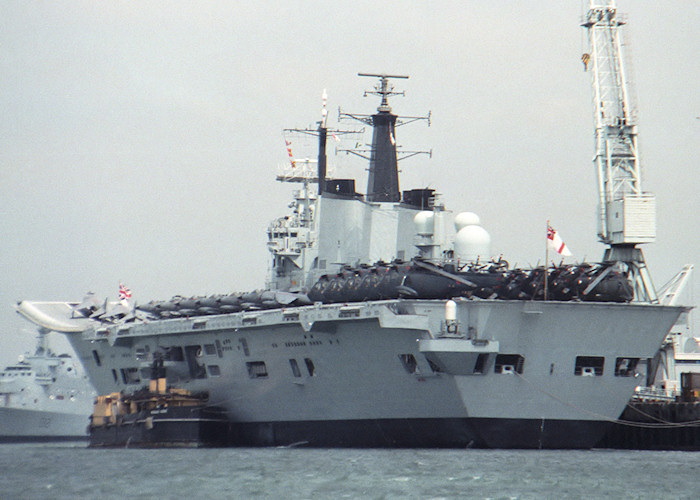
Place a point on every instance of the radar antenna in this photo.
(626, 214)
(383, 88)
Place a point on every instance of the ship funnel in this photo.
(322, 134)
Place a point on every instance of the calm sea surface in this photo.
(71, 471)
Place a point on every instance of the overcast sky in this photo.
(139, 141)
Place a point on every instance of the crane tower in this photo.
(626, 214)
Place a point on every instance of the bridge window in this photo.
(97, 358)
(295, 367)
(197, 370)
(589, 366)
(509, 363)
(257, 369)
(626, 367)
(130, 375)
(310, 366)
(174, 353)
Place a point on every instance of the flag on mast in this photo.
(124, 293)
(289, 152)
(555, 241)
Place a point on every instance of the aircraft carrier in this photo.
(384, 324)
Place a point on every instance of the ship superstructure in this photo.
(45, 396)
(380, 327)
(337, 226)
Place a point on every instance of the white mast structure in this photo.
(626, 214)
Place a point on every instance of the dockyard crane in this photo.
(626, 214)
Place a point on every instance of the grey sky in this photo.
(139, 140)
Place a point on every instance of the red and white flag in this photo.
(289, 152)
(124, 293)
(556, 242)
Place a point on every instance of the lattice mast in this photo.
(626, 214)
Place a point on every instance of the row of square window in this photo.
(132, 376)
(258, 369)
(591, 366)
(504, 363)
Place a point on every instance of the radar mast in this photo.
(383, 179)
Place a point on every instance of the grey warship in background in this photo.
(378, 328)
(44, 397)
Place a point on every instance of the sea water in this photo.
(60, 470)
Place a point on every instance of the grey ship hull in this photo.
(23, 425)
(422, 433)
(352, 385)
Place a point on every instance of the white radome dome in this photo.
(464, 219)
(472, 242)
(424, 222)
